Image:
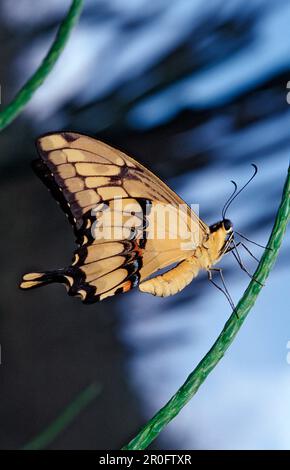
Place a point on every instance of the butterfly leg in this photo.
(231, 248)
(241, 264)
(224, 290)
(249, 251)
(234, 247)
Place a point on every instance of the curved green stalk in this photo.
(26, 92)
(85, 398)
(153, 427)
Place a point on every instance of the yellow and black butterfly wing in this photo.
(84, 174)
(89, 171)
(109, 263)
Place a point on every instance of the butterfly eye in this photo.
(227, 225)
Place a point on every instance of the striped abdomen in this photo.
(172, 281)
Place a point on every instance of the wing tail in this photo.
(32, 280)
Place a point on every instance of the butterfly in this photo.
(112, 201)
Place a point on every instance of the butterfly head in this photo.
(221, 235)
(224, 225)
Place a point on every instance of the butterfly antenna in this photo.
(227, 203)
(235, 194)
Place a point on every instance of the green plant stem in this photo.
(67, 416)
(153, 427)
(26, 92)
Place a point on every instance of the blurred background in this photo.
(196, 91)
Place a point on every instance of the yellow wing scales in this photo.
(84, 174)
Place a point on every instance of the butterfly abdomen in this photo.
(172, 281)
(32, 280)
